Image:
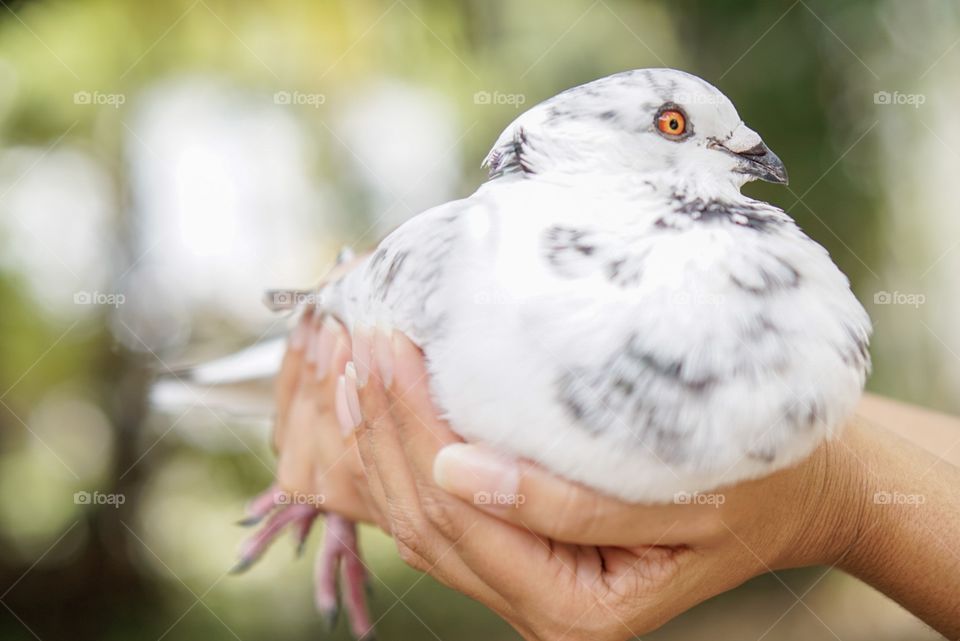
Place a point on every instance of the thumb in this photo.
(522, 493)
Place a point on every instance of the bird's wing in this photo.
(400, 282)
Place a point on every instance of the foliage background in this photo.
(206, 185)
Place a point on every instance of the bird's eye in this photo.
(671, 122)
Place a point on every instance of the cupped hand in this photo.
(554, 558)
(313, 457)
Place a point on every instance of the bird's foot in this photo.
(272, 505)
(340, 554)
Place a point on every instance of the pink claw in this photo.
(254, 547)
(340, 555)
(261, 505)
(340, 551)
(325, 592)
(301, 530)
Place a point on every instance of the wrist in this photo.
(909, 522)
(854, 517)
(869, 507)
(883, 509)
(834, 503)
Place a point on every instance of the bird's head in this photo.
(666, 127)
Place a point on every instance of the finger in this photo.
(300, 446)
(313, 458)
(288, 378)
(419, 544)
(371, 352)
(301, 451)
(421, 432)
(382, 454)
(301, 355)
(349, 413)
(521, 492)
(319, 361)
(340, 470)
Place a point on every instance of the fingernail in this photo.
(353, 400)
(383, 354)
(325, 345)
(474, 471)
(298, 337)
(312, 336)
(342, 408)
(361, 354)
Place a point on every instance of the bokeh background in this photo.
(161, 163)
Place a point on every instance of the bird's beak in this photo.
(759, 161)
(755, 158)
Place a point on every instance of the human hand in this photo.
(614, 570)
(313, 457)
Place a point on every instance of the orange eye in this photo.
(671, 122)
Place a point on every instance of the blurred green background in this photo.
(163, 163)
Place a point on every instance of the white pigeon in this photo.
(611, 306)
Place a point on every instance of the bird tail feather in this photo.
(242, 383)
(239, 384)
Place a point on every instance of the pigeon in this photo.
(611, 306)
